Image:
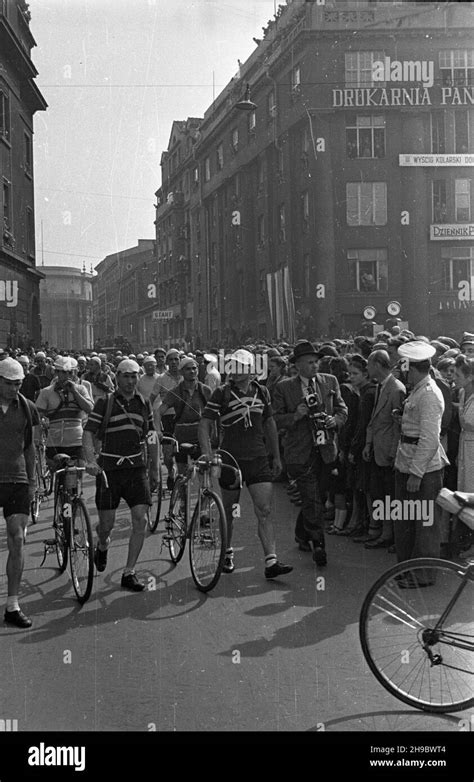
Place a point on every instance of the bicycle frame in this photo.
(437, 630)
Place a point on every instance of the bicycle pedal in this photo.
(49, 548)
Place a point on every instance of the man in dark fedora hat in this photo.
(310, 407)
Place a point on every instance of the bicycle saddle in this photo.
(62, 460)
(465, 498)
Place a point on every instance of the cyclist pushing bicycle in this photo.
(127, 467)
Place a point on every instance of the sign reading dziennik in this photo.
(436, 160)
(162, 314)
(451, 231)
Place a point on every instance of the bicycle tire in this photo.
(207, 540)
(60, 534)
(153, 513)
(397, 619)
(176, 524)
(36, 501)
(81, 551)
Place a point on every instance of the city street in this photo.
(253, 655)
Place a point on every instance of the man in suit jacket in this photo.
(383, 434)
(310, 452)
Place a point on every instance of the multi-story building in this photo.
(347, 186)
(174, 319)
(66, 308)
(124, 297)
(19, 100)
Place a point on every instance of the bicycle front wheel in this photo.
(176, 527)
(153, 514)
(60, 534)
(81, 551)
(207, 540)
(420, 658)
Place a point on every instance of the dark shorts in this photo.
(253, 471)
(130, 485)
(14, 498)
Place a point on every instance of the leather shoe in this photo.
(130, 581)
(17, 618)
(378, 543)
(319, 556)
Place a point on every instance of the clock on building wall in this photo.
(393, 308)
(369, 313)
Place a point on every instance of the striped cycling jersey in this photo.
(129, 422)
(65, 415)
(241, 416)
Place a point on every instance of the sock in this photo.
(12, 603)
(229, 551)
(270, 560)
(103, 547)
(128, 571)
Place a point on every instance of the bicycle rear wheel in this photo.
(36, 501)
(207, 540)
(153, 513)
(425, 666)
(176, 528)
(81, 551)
(60, 533)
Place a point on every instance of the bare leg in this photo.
(16, 526)
(261, 494)
(137, 536)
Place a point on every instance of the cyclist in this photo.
(188, 400)
(123, 460)
(65, 404)
(17, 477)
(164, 383)
(245, 414)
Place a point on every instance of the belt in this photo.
(121, 459)
(410, 440)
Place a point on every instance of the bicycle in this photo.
(205, 527)
(154, 510)
(416, 626)
(72, 528)
(43, 477)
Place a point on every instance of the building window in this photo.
(365, 137)
(261, 173)
(207, 169)
(457, 67)
(30, 232)
(196, 175)
(368, 270)
(282, 223)
(28, 151)
(438, 133)
(281, 163)
(296, 78)
(6, 205)
(220, 157)
(261, 230)
(305, 209)
(237, 186)
(439, 203)
(461, 131)
(235, 139)
(307, 276)
(366, 203)
(359, 69)
(457, 266)
(462, 200)
(271, 105)
(4, 114)
(252, 121)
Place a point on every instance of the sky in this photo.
(115, 74)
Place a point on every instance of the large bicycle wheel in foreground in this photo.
(207, 540)
(417, 634)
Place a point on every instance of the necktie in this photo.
(311, 388)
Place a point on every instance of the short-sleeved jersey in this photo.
(13, 424)
(241, 416)
(130, 421)
(65, 415)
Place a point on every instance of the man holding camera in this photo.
(310, 407)
(66, 404)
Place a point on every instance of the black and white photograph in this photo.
(236, 385)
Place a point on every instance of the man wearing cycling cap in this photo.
(18, 415)
(244, 412)
(129, 460)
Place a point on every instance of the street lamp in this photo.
(246, 104)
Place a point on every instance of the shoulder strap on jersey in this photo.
(29, 420)
(108, 412)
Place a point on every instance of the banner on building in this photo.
(281, 304)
